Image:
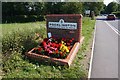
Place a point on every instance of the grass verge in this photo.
(18, 38)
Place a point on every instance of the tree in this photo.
(63, 7)
(112, 7)
(97, 7)
(72, 8)
(7, 9)
(104, 9)
(118, 7)
(35, 8)
(53, 8)
(14, 8)
(22, 8)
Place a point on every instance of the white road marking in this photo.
(91, 59)
(113, 28)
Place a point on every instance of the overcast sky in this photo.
(108, 1)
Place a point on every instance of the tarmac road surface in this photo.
(105, 54)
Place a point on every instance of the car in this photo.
(111, 17)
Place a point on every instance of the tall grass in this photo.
(19, 38)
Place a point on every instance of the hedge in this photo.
(117, 14)
(22, 18)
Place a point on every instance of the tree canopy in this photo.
(97, 7)
(112, 7)
(30, 8)
(43, 8)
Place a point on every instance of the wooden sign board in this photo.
(64, 26)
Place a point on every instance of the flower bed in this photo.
(58, 58)
(55, 48)
(65, 42)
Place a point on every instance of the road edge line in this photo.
(91, 59)
(112, 27)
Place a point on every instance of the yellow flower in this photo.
(64, 48)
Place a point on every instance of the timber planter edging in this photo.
(67, 61)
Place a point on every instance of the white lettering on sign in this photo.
(62, 25)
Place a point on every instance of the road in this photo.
(105, 53)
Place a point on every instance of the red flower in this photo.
(61, 53)
(45, 40)
(63, 39)
(44, 44)
(57, 46)
(68, 44)
(52, 37)
(73, 39)
(56, 51)
(70, 41)
(69, 47)
(39, 49)
(48, 50)
(52, 46)
(60, 44)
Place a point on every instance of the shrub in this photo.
(20, 40)
(117, 14)
(22, 18)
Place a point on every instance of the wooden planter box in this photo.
(75, 33)
(67, 61)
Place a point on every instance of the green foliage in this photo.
(35, 11)
(104, 9)
(93, 6)
(53, 8)
(22, 18)
(117, 14)
(20, 39)
(118, 7)
(18, 66)
(88, 27)
(112, 7)
(22, 8)
(22, 12)
(14, 8)
(62, 8)
(72, 8)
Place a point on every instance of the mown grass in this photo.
(20, 37)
